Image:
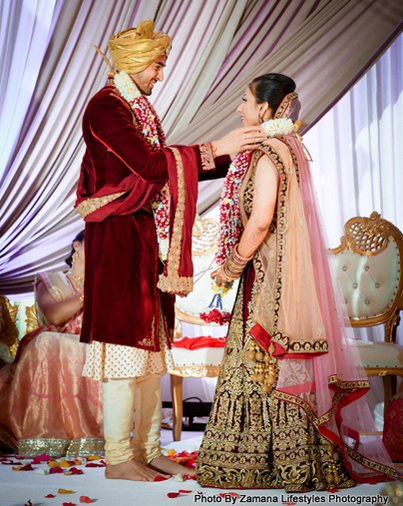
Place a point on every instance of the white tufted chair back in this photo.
(368, 261)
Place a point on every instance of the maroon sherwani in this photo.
(121, 248)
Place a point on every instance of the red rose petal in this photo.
(29, 503)
(74, 470)
(55, 470)
(185, 491)
(160, 478)
(69, 504)
(92, 464)
(189, 477)
(85, 499)
(41, 458)
(172, 495)
(11, 463)
(49, 496)
(28, 467)
(332, 490)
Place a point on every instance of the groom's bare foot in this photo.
(168, 466)
(130, 470)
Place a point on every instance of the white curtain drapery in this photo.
(50, 70)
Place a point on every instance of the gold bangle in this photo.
(233, 267)
(80, 297)
(239, 257)
(228, 273)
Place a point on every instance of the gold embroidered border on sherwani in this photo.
(90, 205)
(207, 157)
(172, 282)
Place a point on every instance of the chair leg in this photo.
(177, 405)
(391, 327)
(389, 388)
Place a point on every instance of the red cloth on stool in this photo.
(195, 343)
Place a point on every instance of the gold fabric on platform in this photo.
(84, 447)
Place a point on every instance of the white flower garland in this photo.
(126, 86)
(281, 126)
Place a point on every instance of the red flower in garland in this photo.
(230, 216)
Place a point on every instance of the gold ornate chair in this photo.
(369, 263)
(31, 318)
(8, 329)
(203, 362)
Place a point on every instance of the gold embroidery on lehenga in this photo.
(255, 440)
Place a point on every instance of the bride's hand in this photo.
(238, 140)
(220, 278)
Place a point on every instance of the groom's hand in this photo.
(240, 139)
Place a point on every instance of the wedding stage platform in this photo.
(19, 488)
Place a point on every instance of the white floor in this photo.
(17, 488)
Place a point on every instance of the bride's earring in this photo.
(75, 256)
(260, 119)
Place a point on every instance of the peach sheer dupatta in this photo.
(301, 311)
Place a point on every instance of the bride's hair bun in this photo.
(271, 88)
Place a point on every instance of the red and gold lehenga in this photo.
(289, 409)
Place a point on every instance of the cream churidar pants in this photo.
(121, 397)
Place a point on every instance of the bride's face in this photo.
(249, 109)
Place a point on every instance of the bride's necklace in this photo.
(77, 280)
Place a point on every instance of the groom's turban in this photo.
(135, 49)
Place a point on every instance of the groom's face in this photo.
(146, 79)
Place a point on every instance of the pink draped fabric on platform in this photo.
(48, 398)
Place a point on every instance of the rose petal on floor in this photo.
(85, 499)
(160, 478)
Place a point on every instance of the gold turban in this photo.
(135, 49)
